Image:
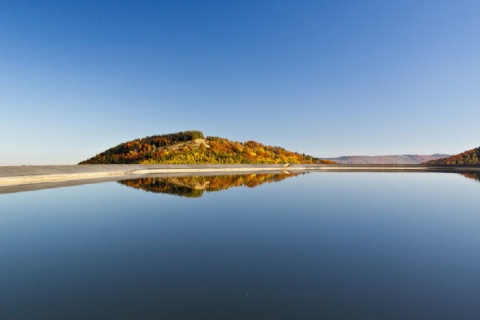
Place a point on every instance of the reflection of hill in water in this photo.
(475, 176)
(195, 186)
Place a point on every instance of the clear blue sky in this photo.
(326, 78)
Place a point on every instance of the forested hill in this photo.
(467, 157)
(191, 147)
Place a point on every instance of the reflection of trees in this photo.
(195, 186)
(475, 176)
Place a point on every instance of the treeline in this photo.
(191, 147)
(469, 157)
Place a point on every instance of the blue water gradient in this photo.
(318, 246)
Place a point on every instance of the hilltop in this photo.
(192, 147)
(388, 159)
(467, 157)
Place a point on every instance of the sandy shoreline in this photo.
(18, 175)
(14, 177)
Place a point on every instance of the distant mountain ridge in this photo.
(388, 159)
(465, 158)
(192, 147)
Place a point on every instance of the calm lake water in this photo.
(315, 246)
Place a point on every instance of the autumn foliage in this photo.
(191, 147)
(470, 157)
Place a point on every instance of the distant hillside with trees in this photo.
(465, 158)
(192, 147)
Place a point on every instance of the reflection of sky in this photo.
(325, 244)
(342, 78)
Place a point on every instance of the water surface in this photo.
(316, 246)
